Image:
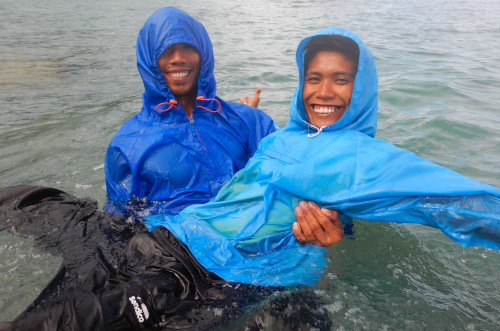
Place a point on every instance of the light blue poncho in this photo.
(245, 233)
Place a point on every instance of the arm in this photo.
(118, 181)
(317, 226)
(254, 101)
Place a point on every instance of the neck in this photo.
(187, 102)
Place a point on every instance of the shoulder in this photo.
(133, 126)
(245, 111)
(254, 118)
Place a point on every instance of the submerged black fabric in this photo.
(116, 275)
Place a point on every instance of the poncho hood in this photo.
(362, 112)
(164, 28)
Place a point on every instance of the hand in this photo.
(252, 102)
(317, 226)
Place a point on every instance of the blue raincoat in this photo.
(245, 233)
(163, 162)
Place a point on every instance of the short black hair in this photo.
(332, 43)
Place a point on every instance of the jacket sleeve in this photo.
(119, 180)
(468, 220)
(397, 186)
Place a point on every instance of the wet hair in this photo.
(332, 43)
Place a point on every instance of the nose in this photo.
(325, 90)
(176, 55)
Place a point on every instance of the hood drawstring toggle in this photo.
(310, 135)
(172, 103)
(202, 98)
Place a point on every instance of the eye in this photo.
(343, 80)
(188, 48)
(312, 79)
(167, 52)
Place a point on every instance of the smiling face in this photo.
(327, 89)
(180, 65)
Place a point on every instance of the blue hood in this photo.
(245, 233)
(362, 112)
(164, 28)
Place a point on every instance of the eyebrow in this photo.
(337, 73)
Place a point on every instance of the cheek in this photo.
(197, 65)
(168, 80)
(195, 59)
(306, 92)
(346, 93)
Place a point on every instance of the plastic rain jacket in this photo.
(163, 162)
(245, 233)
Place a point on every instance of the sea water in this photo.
(68, 80)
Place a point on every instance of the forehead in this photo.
(330, 60)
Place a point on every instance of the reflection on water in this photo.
(68, 80)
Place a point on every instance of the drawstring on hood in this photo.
(173, 103)
(361, 115)
(202, 98)
(311, 135)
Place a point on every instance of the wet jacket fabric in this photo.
(245, 233)
(116, 275)
(163, 162)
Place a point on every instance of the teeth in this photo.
(179, 74)
(325, 109)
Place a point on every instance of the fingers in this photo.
(252, 101)
(256, 98)
(307, 223)
(333, 228)
(246, 101)
(256, 94)
(316, 220)
(315, 225)
(297, 232)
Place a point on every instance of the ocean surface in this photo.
(68, 80)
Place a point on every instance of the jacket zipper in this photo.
(196, 134)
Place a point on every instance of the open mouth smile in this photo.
(178, 74)
(323, 109)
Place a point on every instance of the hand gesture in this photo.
(252, 102)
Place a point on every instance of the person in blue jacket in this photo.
(327, 153)
(186, 142)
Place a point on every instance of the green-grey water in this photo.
(68, 80)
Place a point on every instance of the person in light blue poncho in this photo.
(327, 153)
